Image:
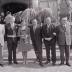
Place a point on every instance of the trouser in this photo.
(37, 47)
(64, 49)
(50, 45)
(12, 45)
(38, 51)
(1, 57)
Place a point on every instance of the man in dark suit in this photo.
(11, 34)
(35, 33)
(64, 39)
(49, 38)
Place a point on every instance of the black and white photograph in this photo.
(35, 35)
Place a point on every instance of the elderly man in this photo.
(64, 39)
(49, 38)
(11, 34)
(9, 18)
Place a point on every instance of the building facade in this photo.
(30, 3)
(14, 5)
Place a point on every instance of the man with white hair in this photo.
(64, 39)
(11, 34)
(49, 38)
(9, 18)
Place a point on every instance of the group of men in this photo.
(47, 33)
(50, 35)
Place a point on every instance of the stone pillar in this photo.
(1, 6)
(35, 3)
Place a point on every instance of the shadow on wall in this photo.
(14, 7)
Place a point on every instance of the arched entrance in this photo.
(14, 7)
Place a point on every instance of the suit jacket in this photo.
(48, 33)
(36, 37)
(64, 36)
(9, 31)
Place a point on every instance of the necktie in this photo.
(34, 28)
(12, 25)
(64, 28)
(48, 29)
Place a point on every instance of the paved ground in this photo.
(34, 67)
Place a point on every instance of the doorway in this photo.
(14, 7)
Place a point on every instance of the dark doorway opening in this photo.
(14, 7)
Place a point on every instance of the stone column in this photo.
(34, 3)
(0, 6)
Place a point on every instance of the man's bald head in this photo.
(48, 20)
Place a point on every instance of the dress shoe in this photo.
(1, 65)
(10, 63)
(53, 63)
(15, 62)
(41, 64)
(68, 64)
(47, 62)
(61, 64)
(37, 60)
(24, 62)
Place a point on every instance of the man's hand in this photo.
(54, 33)
(48, 39)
